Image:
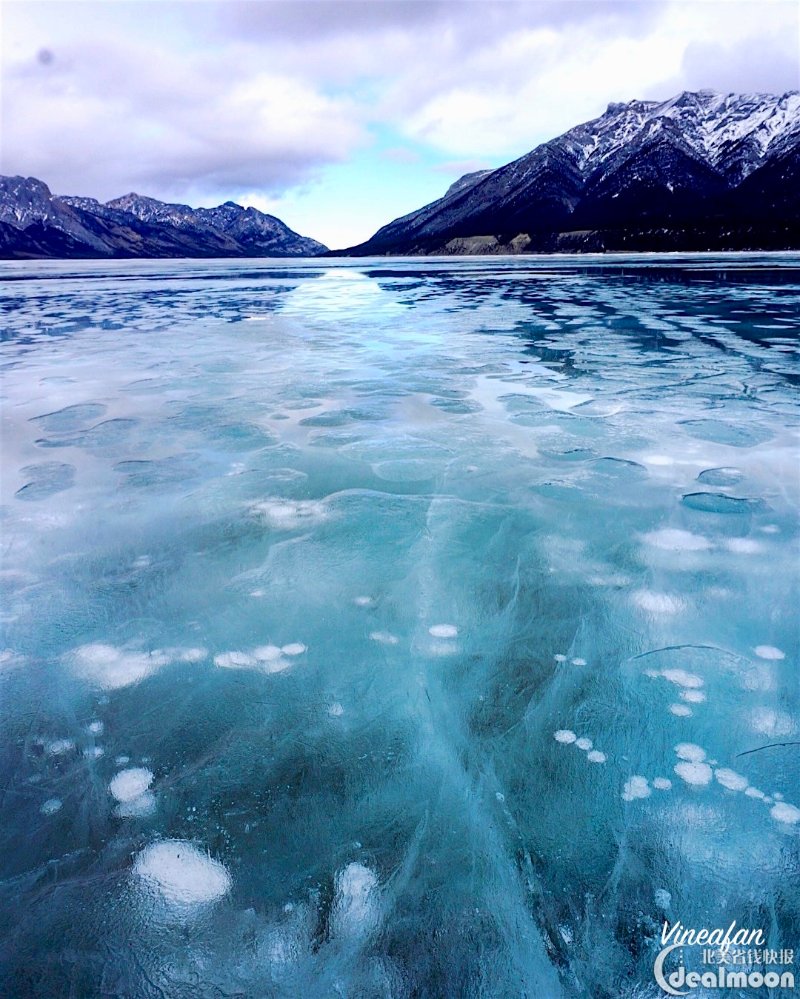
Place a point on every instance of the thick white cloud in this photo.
(210, 100)
(103, 115)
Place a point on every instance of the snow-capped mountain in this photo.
(35, 223)
(702, 170)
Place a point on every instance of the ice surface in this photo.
(425, 624)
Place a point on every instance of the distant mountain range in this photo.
(35, 223)
(702, 171)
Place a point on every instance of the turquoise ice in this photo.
(393, 627)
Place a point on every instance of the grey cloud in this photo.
(768, 65)
(477, 20)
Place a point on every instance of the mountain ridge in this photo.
(36, 224)
(643, 175)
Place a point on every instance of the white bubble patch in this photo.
(730, 779)
(657, 603)
(697, 774)
(355, 905)
(181, 874)
(769, 652)
(443, 631)
(111, 668)
(681, 678)
(784, 812)
(565, 736)
(384, 637)
(674, 540)
(635, 787)
(129, 784)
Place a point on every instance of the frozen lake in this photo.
(391, 628)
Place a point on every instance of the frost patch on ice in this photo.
(384, 637)
(129, 784)
(336, 710)
(560, 658)
(578, 662)
(657, 603)
(293, 649)
(51, 806)
(730, 779)
(355, 904)
(769, 652)
(565, 736)
(753, 792)
(680, 710)
(674, 540)
(784, 812)
(181, 874)
(286, 515)
(95, 728)
(584, 744)
(692, 696)
(697, 774)
(690, 751)
(94, 752)
(595, 756)
(364, 601)
(662, 783)
(58, 747)
(110, 668)
(443, 631)
(635, 787)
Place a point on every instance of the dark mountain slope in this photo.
(700, 171)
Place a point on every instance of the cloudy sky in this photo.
(338, 115)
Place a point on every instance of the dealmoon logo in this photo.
(680, 981)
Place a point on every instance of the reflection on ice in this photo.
(430, 633)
